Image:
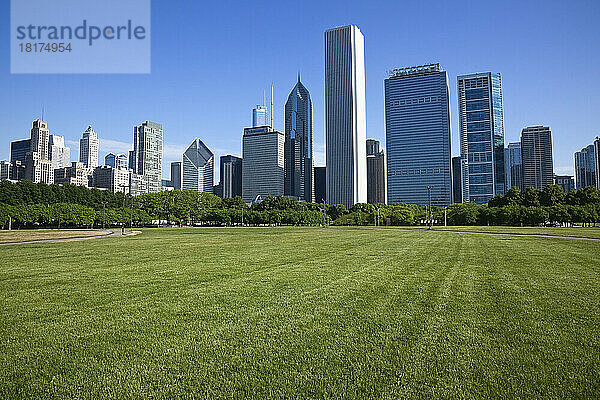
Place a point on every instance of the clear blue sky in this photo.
(211, 62)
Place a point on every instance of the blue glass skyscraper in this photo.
(417, 128)
(481, 124)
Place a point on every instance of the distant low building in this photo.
(116, 160)
(566, 182)
(113, 179)
(76, 174)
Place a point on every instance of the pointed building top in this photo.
(298, 76)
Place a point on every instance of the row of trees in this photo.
(26, 204)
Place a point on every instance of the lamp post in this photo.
(430, 220)
(103, 213)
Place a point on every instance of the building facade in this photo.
(417, 132)
(345, 116)
(88, 148)
(230, 173)
(38, 167)
(566, 182)
(76, 174)
(113, 179)
(597, 161)
(376, 177)
(198, 167)
(513, 165)
(260, 116)
(481, 122)
(456, 180)
(59, 154)
(262, 165)
(536, 155)
(116, 160)
(147, 157)
(176, 175)
(320, 175)
(19, 150)
(585, 167)
(298, 168)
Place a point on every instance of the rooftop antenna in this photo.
(42, 113)
(271, 104)
(264, 98)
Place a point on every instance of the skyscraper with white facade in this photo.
(88, 148)
(345, 116)
(38, 167)
(198, 167)
(260, 116)
(58, 153)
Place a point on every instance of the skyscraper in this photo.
(536, 155)
(58, 153)
(345, 116)
(585, 167)
(375, 173)
(597, 161)
(88, 148)
(38, 167)
(566, 182)
(513, 165)
(481, 122)
(298, 169)
(320, 175)
(198, 167)
(260, 116)
(147, 158)
(456, 180)
(417, 134)
(176, 175)
(231, 176)
(116, 160)
(19, 150)
(262, 165)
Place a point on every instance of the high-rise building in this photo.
(88, 148)
(38, 167)
(176, 175)
(345, 116)
(597, 161)
(76, 174)
(19, 150)
(513, 165)
(147, 157)
(116, 160)
(298, 169)
(59, 154)
(536, 155)
(566, 182)
(5, 170)
(585, 167)
(417, 127)
(231, 176)
(113, 179)
(198, 167)
(262, 165)
(260, 116)
(481, 122)
(320, 185)
(456, 180)
(376, 180)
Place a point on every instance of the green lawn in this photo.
(301, 313)
(576, 231)
(26, 235)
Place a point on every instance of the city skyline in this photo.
(566, 108)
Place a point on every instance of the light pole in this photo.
(445, 217)
(103, 213)
(429, 193)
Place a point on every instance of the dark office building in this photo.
(230, 176)
(566, 182)
(375, 173)
(320, 185)
(176, 175)
(456, 180)
(536, 157)
(19, 149)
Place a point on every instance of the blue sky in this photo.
(211, 62)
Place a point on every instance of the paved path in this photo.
(500, 233)
(73, 239)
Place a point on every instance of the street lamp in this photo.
(430, 220)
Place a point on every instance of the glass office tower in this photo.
(481, 124)
(417, 127)
(513, 165)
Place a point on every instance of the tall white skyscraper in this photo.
(59, 153)
(38, 167)
(198, 167)
(146, 159)
(345, 116)
(88, 148)
(260, 116)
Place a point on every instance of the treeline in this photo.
(25, 204)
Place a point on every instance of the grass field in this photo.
(45, 234)
(578, 231)
(301, 313)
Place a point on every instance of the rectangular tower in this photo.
(345, 116)
(481, 123)
(536, 155)
(417, 132)
(262, 165)
(88, 148)
(376, 191)
(231, 176)
(513, 165)
(147, 157)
